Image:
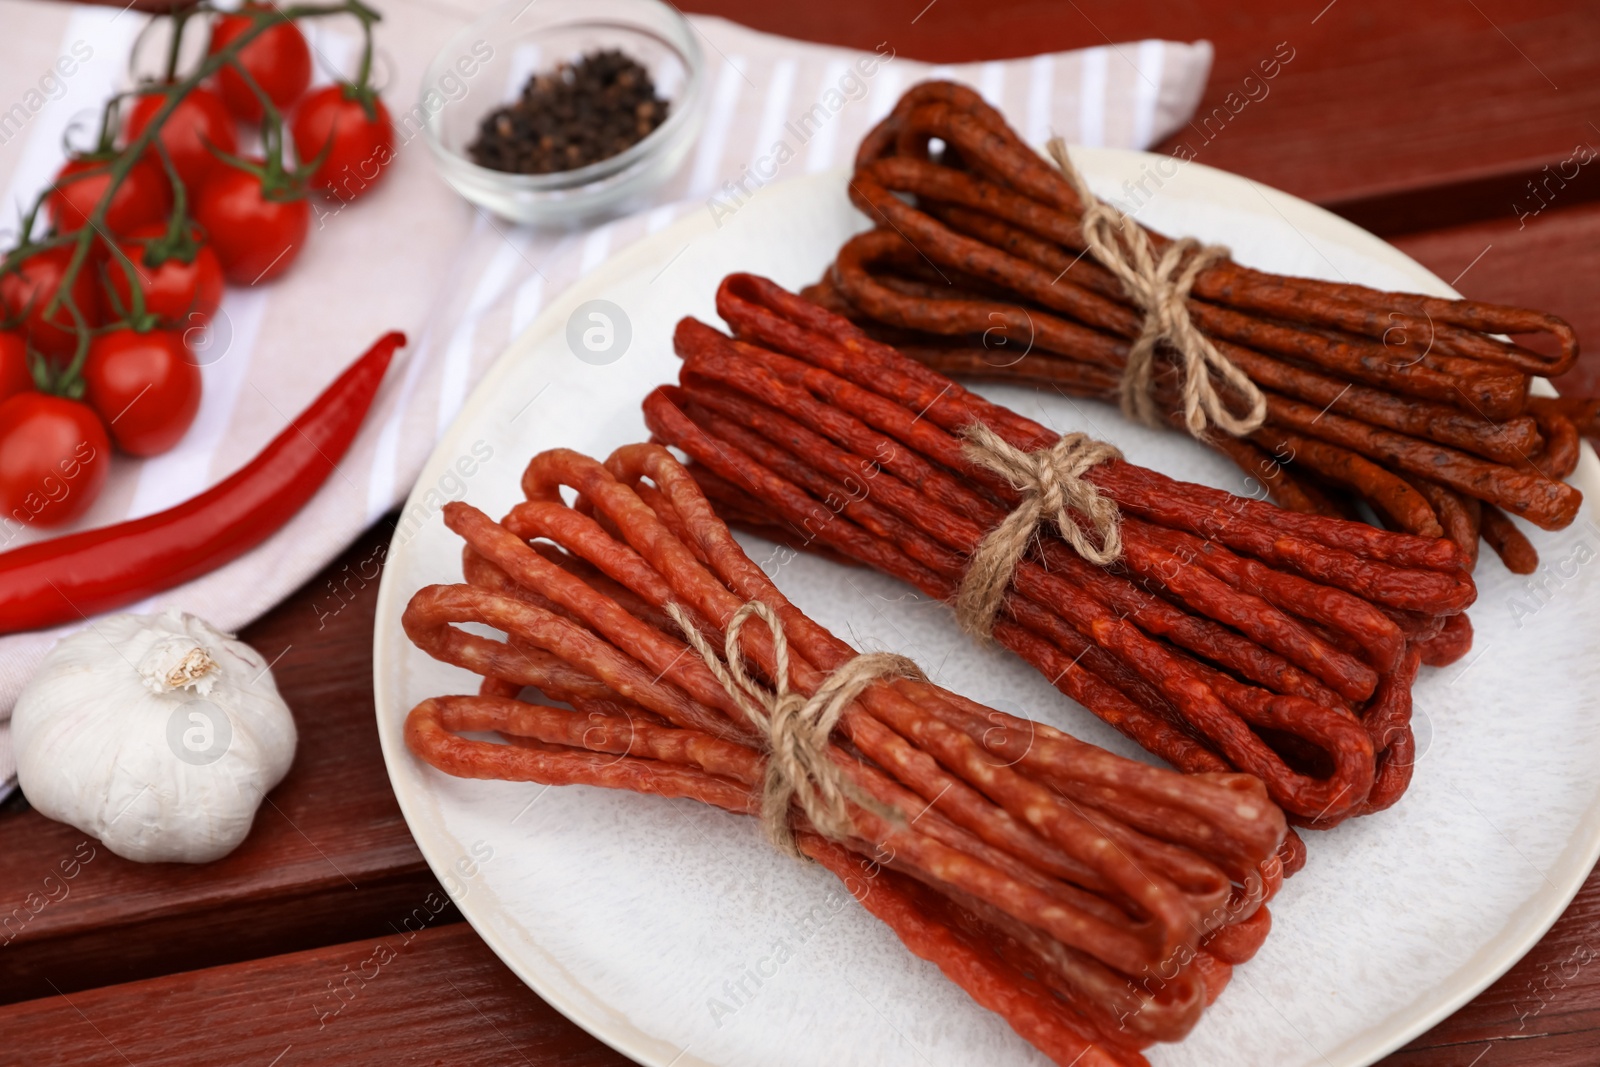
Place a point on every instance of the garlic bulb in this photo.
(157, 734)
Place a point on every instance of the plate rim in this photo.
(1574, 862)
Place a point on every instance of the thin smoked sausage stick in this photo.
(1096, 871)
(978, 268)
(846, 440)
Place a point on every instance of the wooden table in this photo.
(1425, 122)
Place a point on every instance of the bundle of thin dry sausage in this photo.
(1096, 903)
(1406, 402)
(1231, 635)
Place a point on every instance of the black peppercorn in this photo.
(577, 114)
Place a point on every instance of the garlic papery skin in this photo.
(157, 734)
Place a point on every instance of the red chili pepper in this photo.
(83, 574)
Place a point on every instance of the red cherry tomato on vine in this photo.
(200, 117)
(15, 375)
(358, 147)
(279, 60)
(144, 386)
(179, 293)
(27, 291)
(54, 455)
(144, 196)
(256, 238)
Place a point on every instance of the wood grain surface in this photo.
(417, 994)
(329, 857)
(1402, 116)
(1548, 262)
(1423, 121)
(397, 998)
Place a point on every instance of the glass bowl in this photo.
(486, 65)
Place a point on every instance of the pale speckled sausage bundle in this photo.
(1097, 903)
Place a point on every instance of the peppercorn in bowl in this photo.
(561, 112)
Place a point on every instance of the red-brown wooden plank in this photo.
(1403, 116)
(1550, 261)
(439, 996)
(329, 857)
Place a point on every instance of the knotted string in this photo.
(1053, 486)
(1160, 288)
(796, 728)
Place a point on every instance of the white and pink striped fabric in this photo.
(413, 256)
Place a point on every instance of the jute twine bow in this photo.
(1052, 485)
(1160, 287)
(795, 727)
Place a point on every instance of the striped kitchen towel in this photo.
(413, 256)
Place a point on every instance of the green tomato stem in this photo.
(69, 381)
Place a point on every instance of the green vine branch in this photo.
(278, 180)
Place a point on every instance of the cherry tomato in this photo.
(358, 147)
(15, 375)
(28, 290)
(144, 387)
(54, 455)
(278, 59)
(144, 196)
(200, 117)
(181, 294)
(255, 238)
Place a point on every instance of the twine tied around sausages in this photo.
(796, 728)
(1053, 487)
(1160, 287)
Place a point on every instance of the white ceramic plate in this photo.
(674, 934)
